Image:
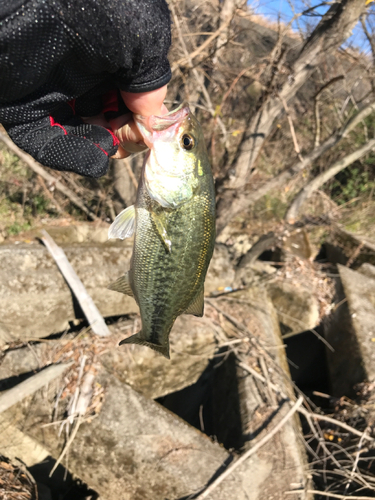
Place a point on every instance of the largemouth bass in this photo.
(173, 221)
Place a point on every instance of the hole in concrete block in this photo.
(307, 360)
(212, 403)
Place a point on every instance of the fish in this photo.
(173, 222)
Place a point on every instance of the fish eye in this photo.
(187, 142)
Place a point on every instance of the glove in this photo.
(59, 61)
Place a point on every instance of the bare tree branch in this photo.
(201, 48)
(321, 179)
(316, 107)
(31, 385)
(195, 71)
(244, 202)
(30, 162)
(88, 307)
(292, 130)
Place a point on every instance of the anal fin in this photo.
(122, 285)
(196, 307)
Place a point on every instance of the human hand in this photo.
(124, 128)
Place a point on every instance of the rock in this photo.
(193, 344)
(16, 444)
(135, 449)
(270, 479)
(351, 332)
(297, 244)
(36, 302)
(344, 246)
(367, 270)
(297, 308)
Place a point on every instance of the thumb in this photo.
(146, 103)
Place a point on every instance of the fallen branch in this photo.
(321, 179)
(89, 309)
(85, 394)
(38, 169)
(31, 385)
(252, 450)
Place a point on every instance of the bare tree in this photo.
(333, 29)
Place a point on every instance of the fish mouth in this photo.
(157, 123)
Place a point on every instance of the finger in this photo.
(121, 153)
(146, 103)
(128, 134)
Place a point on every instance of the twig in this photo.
(31, 385)
(260, 377)
(370, 38)
(82, 403)
(49, 194)
(292, 130)
(194, 70)
(316, 107)
(67, 445)
(333, 421)
(200, 49)
(131, 173)
(335, 495)
(355, 254)
(89, 309)
(72, 410)
(252, 450)
(30, 162)
(357, 455)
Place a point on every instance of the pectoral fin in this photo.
(137, 339)
(124, 224)
(160, 222)
(122, 285)
(197, 306)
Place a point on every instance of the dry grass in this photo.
(15, 482)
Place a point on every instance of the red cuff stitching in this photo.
(55, 124)
(116, 141)
(97, 145)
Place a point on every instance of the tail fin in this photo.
(137, 339)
